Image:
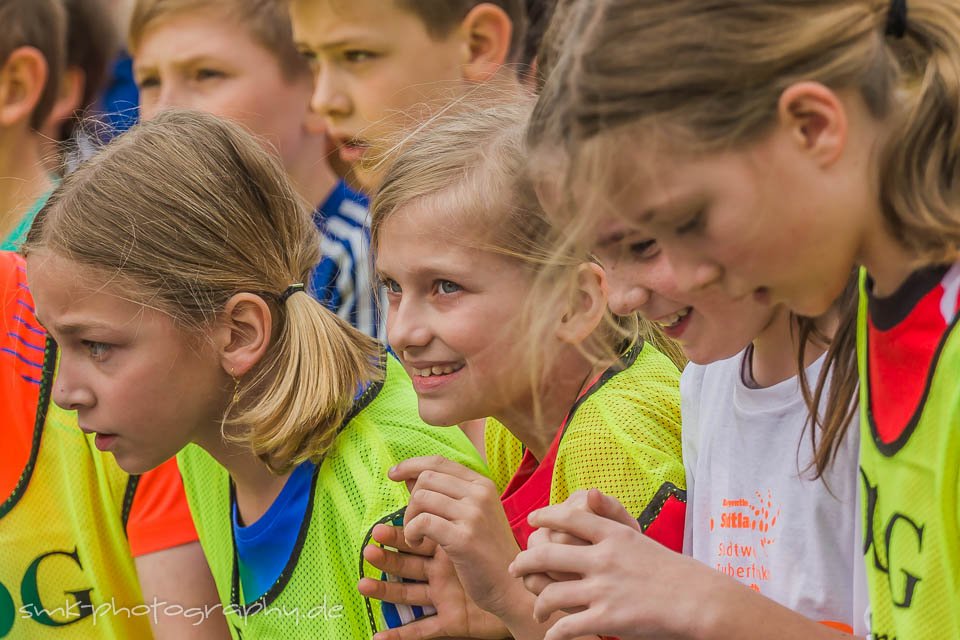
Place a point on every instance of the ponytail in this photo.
(187, 210)
(920, 167)
(300, 396)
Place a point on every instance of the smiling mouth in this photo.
(673, 320)
(438, 370)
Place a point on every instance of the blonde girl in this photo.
(459, 240)
(169, 270)
(774, 146)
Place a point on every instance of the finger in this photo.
(402, 565)
(577, 625)
(433, 527)
(410, 468)
(390, 536)
(610, 508)
(585, 525)
(421, 629)
(444, 483)
(559, 537)
(429, 501)
(411, 593)
(556, 558)
(536, 582)
(577, 499)
(559, 596)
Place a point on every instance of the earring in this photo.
(236, 387)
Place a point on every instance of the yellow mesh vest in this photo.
(504, 453)
(623, 438)
(65, 565)
(911, 508)
(316, 595)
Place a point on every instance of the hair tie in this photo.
(897, 19)
(292, 289)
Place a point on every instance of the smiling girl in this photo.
(460, 240)
(797, 141)
(169, 270)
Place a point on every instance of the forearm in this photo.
(735, 611)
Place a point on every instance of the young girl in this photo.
(111, 542)
(751, 501)
(459, 239)
(828, 140)
(169, 270)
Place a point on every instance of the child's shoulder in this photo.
(347, 206)
(645, 380)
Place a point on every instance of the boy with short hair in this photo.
(32, 52)
(382, 66)
(236, 59)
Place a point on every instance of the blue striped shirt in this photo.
(343, 280)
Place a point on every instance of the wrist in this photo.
(517, 612)
(703, 606)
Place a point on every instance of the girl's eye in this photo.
(447, 287)
(97, 350)
(644, 250)
(692, 225)
(391, 286)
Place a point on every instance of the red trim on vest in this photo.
(529, 490)
(900, 362)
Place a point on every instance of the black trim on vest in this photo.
(369, 394)
(366, 398)
(626, 361)
(889, 311)
(129, 493)
(892, 448)
(264, 601)
(387, 519)
(43, 402)
(652, 511)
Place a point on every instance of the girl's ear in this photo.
(587, 305)
(243, 334)
(487, 31)
(815, 119)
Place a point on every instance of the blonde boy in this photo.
(381, 66)
(236, 59)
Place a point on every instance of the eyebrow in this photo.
(74, 328)
(360, 38)
(427, 271)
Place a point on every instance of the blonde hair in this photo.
(712, 71)
(184, 212)
(268, 22)
(471, 163)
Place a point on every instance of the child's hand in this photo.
(460, 510)
(625, 583)
(438, 586)
(583, 500)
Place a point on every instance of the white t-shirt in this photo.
(754, 511)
